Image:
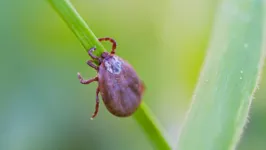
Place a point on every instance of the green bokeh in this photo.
(42, 104)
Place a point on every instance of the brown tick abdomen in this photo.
(120, 87)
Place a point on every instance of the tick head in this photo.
(105, 55)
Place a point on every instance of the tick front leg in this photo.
(82, 81)
(90, 52)
(90, 63)
(112, 41)
(97, 104)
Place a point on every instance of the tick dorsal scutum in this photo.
(113, 65)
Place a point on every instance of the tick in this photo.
(118, 83)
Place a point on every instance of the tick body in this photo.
(118, 83)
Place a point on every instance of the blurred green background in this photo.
(42, 104)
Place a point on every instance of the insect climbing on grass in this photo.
(118, 83)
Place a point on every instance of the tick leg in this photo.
(82, 81)
(90, 63)
(112, 41)
(90, 52)
(97, 103)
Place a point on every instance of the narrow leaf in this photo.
(229, 77)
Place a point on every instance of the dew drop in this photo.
(241, 78)
(246, 45)
(241, 71)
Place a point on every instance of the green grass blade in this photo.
(151, 125)
(143, 116)
(78, 26)
(228, 80)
